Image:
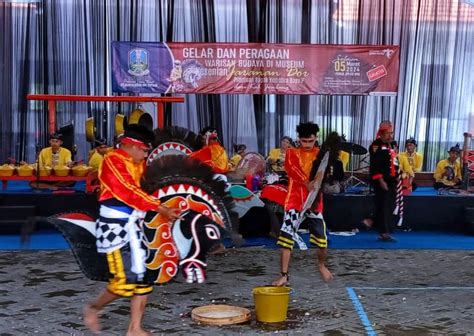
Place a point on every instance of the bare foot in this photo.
(91, 319)
(281, 281)
(138, 332)
(325, 274)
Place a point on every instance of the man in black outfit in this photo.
(383, 173)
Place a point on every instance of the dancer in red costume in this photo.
(213, 153)
(298, 164)
(122, 202)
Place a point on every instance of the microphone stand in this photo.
(353, 181)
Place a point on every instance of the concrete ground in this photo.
(384, 292)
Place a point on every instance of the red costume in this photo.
(215, 156)
(298, 163)
(120, 179)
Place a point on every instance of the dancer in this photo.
(298, 164)
(118, 235)
(212, 153)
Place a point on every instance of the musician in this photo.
(276, 157)
(448, 171)
(383, 173)
(239, 151)
(414, 158)
(298, 164)
(55, 155)
(97, 156)
(410, 163)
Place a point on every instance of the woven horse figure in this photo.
(178, 182)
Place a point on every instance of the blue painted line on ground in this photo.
(415, 288)
(361, 312)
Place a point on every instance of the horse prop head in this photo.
(193, 237)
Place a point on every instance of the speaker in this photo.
(469, 220)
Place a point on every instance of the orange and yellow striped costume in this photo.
(120, 194)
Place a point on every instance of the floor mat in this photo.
(51, 240)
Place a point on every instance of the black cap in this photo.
(411, 141)
(56, 136)
(140, 133)
(100, 142)
(456, 149)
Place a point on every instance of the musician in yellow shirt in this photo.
(97, 156)
(276, 157)
(410, 162)
(448, 171)
(235, 159)
(414, 158)
(55, 155)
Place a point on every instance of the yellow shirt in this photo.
(415, 160)
(344, 157)
(275, 155)
(234, 161)
(95, 160)
(405, 166)
(48, 159)
(454, 170)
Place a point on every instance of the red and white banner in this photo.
(255, 68)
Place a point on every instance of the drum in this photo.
(253, 163)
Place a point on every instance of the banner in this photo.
(255, 68)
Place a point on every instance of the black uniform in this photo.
(383, 164)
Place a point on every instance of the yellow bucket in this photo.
(271, 303)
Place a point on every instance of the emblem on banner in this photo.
(376, 73)
(192, 73)
(388, 52)
(138, 62)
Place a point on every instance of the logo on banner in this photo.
(386, 52)
(138, 62)
(376, 73)
(186, 75)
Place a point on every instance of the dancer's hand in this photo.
(383, 184)
(171, 213)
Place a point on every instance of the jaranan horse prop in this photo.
(176, 181)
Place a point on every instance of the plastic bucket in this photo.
(271, 303)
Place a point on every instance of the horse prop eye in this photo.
(212, 232)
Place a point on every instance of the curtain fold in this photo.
(63, 47)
